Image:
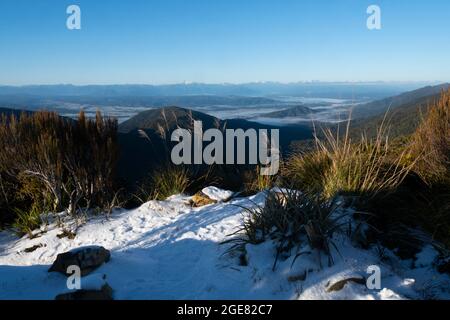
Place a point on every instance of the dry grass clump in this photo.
(254, 182)
(306, 171)
(170, 181)
(341, 166)
(163, 183)
(432, 141)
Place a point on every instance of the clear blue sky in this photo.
(213, 41)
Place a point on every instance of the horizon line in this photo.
(187, 83)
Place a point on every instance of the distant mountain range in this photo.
(340, 90)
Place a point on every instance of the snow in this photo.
(169, 250)
(387, 294)
(217, 194)
(93, 281)
(426, 257)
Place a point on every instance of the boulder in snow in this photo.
(87, 258)
(217, 194)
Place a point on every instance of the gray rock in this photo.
(105, 293)
(87, 258)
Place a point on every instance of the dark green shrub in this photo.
(291, 218)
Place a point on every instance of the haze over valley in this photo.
(268, 103)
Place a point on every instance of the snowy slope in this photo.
(169, 250)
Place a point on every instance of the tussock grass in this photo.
(384, 178)
(432, 141)
(430, 151)
(170, 181)
(254, 182)
(291, 219)
(342, 166)
(163, 183)
(306, 171)
(363, 168)
(27, 220)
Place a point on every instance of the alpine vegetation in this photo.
(50, 163)
(263, 184)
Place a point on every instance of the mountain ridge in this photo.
(382, 106)
(346, 90)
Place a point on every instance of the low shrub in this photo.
(291, 219)
(57, 163)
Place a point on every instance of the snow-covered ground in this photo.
(169, 250)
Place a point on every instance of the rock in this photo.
(87, 258)
(105, 293)
(338, 286)
(200, 199)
